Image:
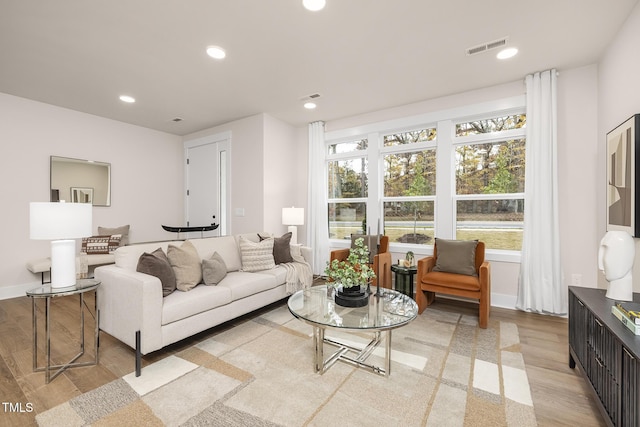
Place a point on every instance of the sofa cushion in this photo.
(226, 247)
(456, 256)
(127, 256)
(122, 230)
(256, 256)
(180, 305)
(281, 247)
(100, 244)
(213, 269)
(243, 284)
(186, 264)
(157, 264)
(279, 273)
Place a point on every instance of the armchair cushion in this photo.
(456, 256)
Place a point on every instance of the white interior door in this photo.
(206, 181)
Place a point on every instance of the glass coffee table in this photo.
(385, 312)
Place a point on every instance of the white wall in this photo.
(282, 164)
(264, 178)
(146, 174)
(577, 160)
(618, 99)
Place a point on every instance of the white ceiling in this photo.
(359, 55)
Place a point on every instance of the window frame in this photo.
(445, 143)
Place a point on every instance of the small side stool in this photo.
(404, 278)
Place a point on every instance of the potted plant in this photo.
(352, 276)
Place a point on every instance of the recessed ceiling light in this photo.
(128, 99)
(507, 53)
(216, 52)
(314, 5)
(310, 105)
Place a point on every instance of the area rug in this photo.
(445, 371)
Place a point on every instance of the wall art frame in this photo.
(623, 181)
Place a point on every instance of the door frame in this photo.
(224, 139)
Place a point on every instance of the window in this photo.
(348, 188)
(417, 178)
(489, 178)
(409, 186)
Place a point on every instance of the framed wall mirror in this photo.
(80, 181)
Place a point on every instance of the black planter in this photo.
(355, 296)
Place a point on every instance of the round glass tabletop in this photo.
(317, 306)
(81, 286)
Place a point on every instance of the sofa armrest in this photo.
(128, 302)
(307, 254)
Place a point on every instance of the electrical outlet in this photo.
(576, 279)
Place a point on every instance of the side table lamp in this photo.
(61, 223)
(293, 217)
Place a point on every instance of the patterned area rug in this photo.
(445, 371)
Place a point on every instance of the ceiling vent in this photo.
(309, 97)
(487, 46)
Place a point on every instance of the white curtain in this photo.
(317, 232)
(541, 288)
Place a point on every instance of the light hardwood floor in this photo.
(560, 395)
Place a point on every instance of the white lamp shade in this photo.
(54, 221)
(293, 216)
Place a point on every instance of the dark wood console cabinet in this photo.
(607, 354)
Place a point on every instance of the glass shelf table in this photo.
(46, 292)
(386, 311)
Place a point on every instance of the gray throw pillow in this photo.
(281, 248)
(186, 264)
(156, 264)
(214, 269)
(456, 256)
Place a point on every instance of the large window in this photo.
(450, 177)
(489, 178)
(348, 188)
(409, 187)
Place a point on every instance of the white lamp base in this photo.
(63, 263)
(294, 234)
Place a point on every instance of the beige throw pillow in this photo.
(186, 264)
(256, 256)
(456, 256)
(214, 269)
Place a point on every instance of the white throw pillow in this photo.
(256, 256)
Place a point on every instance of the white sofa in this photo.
(132, 307)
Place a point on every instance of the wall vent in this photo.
(309, 97)
(487, 46)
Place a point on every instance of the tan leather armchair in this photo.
(478, 287)
(381, 262)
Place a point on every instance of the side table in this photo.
(404, 278)
(47, 292)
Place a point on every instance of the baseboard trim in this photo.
(8, 292)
